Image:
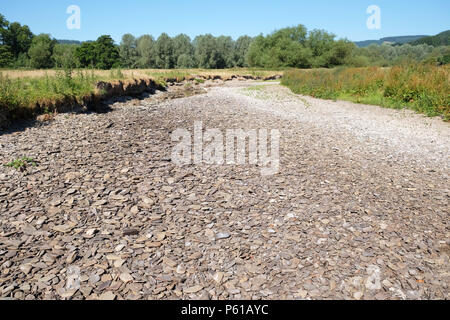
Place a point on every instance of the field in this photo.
(424, 88)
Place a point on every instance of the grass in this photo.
(423, 88)
(19, 96)
(145, 73)
(21, 164)
(30, 92)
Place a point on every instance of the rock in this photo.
(334, 222)
(25, 268)
(126, 277)
(94, 278)
(134, 210)
(193, 289)
(130, 232)
(222, 235)
(169, 262)
(218, 276)
(181, 269)
(107, 296)
(358, 295)
(302, 293)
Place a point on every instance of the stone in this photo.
(107, 296)
(193, 289)
(222, 235)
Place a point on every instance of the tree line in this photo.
(294, 47)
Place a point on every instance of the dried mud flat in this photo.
(359, 209)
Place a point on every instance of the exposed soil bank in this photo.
(106, 90)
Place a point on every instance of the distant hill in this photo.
(398, 40)
(69, 41)
(442, 39)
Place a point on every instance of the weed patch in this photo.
(423, 88)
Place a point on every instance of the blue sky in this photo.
(345, 18)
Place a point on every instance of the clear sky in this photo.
(345, 18)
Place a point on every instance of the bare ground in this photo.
(359, 209)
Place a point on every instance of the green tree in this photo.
(321, 43)
(341, 52)
(206, 52)
(145, 52)
(18, 38)
(3, 27)
(225, 48)
(182, 45)
(64, 56)
(257, 52)
(282, 48)
(41, 51)
(164, 52)
(183, 51)
(241, 47)
(128, 51)
(86, 54)
(6, 57)
(186, 61)
(106, 53)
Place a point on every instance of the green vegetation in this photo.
(293, 47)
(421, 87)
(21, 164)
(21, 95)
(441, 39)
(101, 54)
(392, 40)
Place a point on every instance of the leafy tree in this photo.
(185, 61)
(257, 53)
(282, 48)
(183, 51)
(128, 51)
(64, 56)
(18, 38)
(341, 52)
(182, 45)
(106, 53)
(145, 51)
(101, 54)
(321, 43)
(207, 54)
(41, 51)
(86, 54)
(164, 51)
(241, 48)
(225, 47)
(6, 57)
(3, 27)
(22, 61)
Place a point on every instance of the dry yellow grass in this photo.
(145, 73)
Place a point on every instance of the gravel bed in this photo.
(359, 209)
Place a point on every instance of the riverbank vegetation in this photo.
(421, 87)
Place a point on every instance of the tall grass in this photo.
(27, 92)
(24, 93)
(20, 96)
(424, 88)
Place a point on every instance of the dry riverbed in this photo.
(359, 209)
